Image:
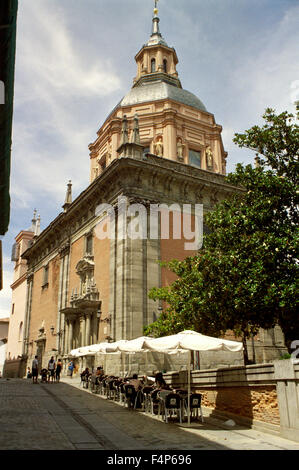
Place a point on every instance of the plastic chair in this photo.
(122, 393)
(155, 400)
(131, 395)
(146, 398)
(195, 405)
(172, 402)
(111, 390)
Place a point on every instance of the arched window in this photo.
(153, 65)
(20, 331)
(165, 65)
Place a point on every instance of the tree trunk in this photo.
(245, 350)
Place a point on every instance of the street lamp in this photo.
(52, 329)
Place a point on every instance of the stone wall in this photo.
(257, 395)
(14, 368)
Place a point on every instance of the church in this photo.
(158, 147)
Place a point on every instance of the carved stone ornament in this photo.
(41, 332)
(209, 155)
(158, 147)
(180, 149)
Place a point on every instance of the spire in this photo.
(156, 61)
(33, 222)
(156, 36)
(37, 228)
(68, 197)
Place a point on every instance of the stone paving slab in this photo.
(65, 417)
(210, 435)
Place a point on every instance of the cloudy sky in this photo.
(75, 61)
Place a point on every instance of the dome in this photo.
(160, 90)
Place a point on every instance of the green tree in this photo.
(246, 275)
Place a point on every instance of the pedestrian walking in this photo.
(70, 369)
(34, 369)
(51, 369)
(58, 370)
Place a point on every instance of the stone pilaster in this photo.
(87, 332)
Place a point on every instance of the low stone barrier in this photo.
(259, 394)
(14, 368)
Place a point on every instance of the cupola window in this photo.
(153, 65)
(165, 65)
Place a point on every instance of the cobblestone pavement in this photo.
(64, 416)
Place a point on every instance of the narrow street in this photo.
(66, 417)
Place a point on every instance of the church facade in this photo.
(160, 148)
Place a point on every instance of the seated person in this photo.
(85, 374)
(97, 376)
(100, 372)
(135, 382)
(160, 382)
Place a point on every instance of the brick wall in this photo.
(45, 304)
(237, 392)
(255, 403)
(102, 278)
(77, 253)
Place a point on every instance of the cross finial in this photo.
(156, 7)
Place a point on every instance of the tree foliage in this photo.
(246, 275)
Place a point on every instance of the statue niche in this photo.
(85, 270)
(180, 149)
(209, 157)
(158, 147)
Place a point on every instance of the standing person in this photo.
(70, 369)
(58, 369)
(51, 368)
(34, 369)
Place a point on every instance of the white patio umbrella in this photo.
(134, 345)
(185, 340)
(192, 341)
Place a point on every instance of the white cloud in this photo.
(52, 79)
(266, 77)
(75, 60)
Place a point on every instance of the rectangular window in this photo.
(46, 276)
(89, 244)
(195, 158)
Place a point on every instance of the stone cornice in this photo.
(19, 281)
(128, 176)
